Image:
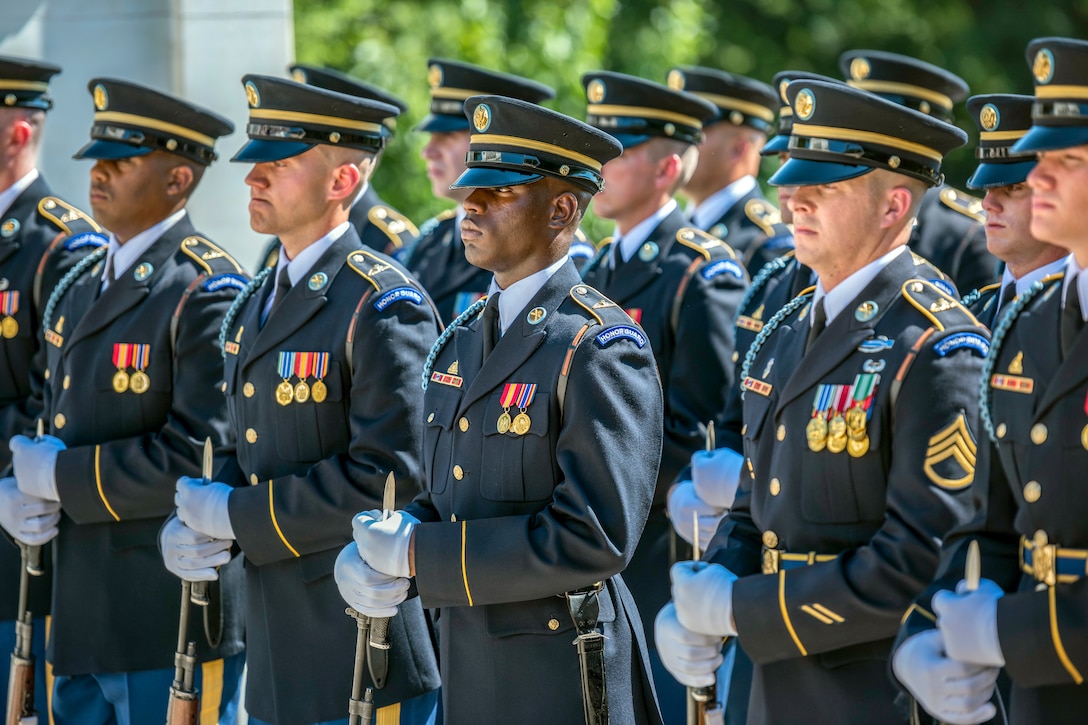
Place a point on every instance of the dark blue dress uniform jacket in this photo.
(512, 522)
(820, 635)
(304, 469)
(115, 607)
(951, 237)
(753, 228)
(1032, 484)
(41, 238)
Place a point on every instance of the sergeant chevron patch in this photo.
(950, 458)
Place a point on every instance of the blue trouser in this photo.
(141, 698)
(419, 710)
(7, 646)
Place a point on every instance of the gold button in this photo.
(458, 472)
(251, 435)
(248, 390)
(1032, 491)
(253, 479)
(770, 539)
(744, 429)
(781, 433)
(47, 375)
(66, 382)
(463, 424)
(430, 418)
(776, 486)
(553, 624)
(223, 387)
(59, 420)
(1002, 429)
(736, 356)
(1038, 434)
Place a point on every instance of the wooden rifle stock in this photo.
(184, 705)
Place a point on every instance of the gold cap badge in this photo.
(595, 91)
(804, 104)
(989, 117)
(676, 80)
(1043, 67)
(481, 117)
(860, 69)
(298, 75)
(434, 76)
(101, 100)
(252, 95)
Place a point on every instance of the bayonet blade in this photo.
(389, 500)
(710, 442)
(973, 568)
(206, 472)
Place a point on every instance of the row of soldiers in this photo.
(564, 393)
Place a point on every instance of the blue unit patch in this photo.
(782, 241)
(945, 287)
(91, 240)
(969, 340)
(396, 295)
(621, 332)
(223, 281)
(581, 250)
(876, 344)
(721, 266)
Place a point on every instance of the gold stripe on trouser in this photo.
(48, 672)
(211, 675)
(389, 715)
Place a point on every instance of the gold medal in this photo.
(816, 433)
(9, 327)
(836, 428)
(522, 423)
(120, 381)
(836, 443)
(855, 423)
(285, 393)
(302, 392)
(1084, 437)
(504, 423)
(858, 448)
(319, 392)
(139, 382)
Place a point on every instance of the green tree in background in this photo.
(554, 42)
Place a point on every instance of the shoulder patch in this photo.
(64, 216)
(86, 240)
(962, 340)
(950, 458)
(399, 228)
(944, 286)
(703, 243)
(723, 266)
(621, 332)
(208, 255)
(409, 294)
(598, 307)
(582, 250)
(958, 201)
(225, 281)
(764, 215)
(942, 310)
(378, 271)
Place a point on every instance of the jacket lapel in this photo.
(636, 274)
(1039, 331)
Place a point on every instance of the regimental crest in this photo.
(9, 227)
(481, 117)
(860, 69)
(595, 91)
(1043, 66)
(989, 117)
(434, 75)
(101, 98)
(950, 457)
(252, 95)
(804, 104)
(676, 80)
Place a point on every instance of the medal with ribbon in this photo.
(836, 427)
(318, 391)
(816, 430)
(520, 395)
(126, 355)
(857, 417)
(9, 305)
(303, 362)
(285, 392)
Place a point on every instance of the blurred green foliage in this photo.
(555, 41)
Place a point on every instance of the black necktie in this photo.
(1008, 294)
(283, 286)
(110, 276)
(1072, 319)
(819, 322)
(491, 324)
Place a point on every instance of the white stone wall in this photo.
(196, 49)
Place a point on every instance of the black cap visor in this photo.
(992, 176)
(441, 123)
(802, 172)
(258, 150)
(483, 177)
(110, 150)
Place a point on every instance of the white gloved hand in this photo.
(716, 475)
(191, 555)
(968, 623)
(367, 590)
(703, 595)
(951, 691)
(682, 503)
(692, 658)
(202, 505)
(384, 544)
(35, 464)
(28, 519)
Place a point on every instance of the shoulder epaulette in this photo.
(941, 309)
(763, 214)
(705, 244)
(391, 284)
(919, 260)
(965, 204)
(399, 228)
(976, 294)
(208, 256)
(431, 224)
(605, 242)
(601, 309)
(64, 216)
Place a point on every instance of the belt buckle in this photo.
(1044, 560)
(771, 560)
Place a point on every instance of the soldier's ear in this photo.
(564, 210)
(179, 180)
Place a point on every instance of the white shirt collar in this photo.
(299, 267)
(10, 194)
(846, 291)
(1023, 284)
(125, 255)
(632, 240)
(1073, 271)
(517, 296)
(717, 204)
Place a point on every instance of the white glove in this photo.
(968, 623)
(35, 465)
(951, 691)
(384, 544)
(30, 520)
(716, 475)
(191, 555)
(703, 595)
(202, 505)
(368, 591)
(682, 502)
(692, 658)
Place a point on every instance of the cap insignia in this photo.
(866, 311)
(1043, 67)
(434, 76)
(252, 95)
(805, 104)
(595, 91)
(101, 100)
(860, 69)
(481, 117)
(676, 80)
(989, 117)
(298, 75)
(536, 315)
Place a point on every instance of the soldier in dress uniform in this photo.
(949, 231)
(1002, 175)
(323, 354)
(681, 284)
(132, 377)
(438, 258)
(859, 419)
(541, 453)
(41, 238)
(1026, 615)
(380, 226)
(723, 189)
